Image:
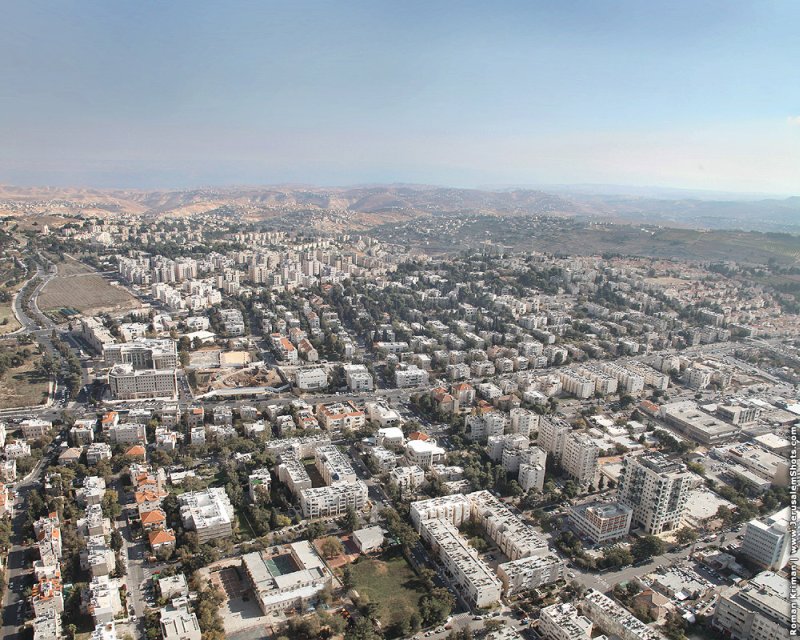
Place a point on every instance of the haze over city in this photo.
(399, 320)
(184, 94)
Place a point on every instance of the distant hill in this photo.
(363, 207)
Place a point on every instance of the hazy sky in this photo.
(699, 94)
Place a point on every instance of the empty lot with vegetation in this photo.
(391, 584)
(21, 385)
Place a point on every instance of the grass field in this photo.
(391, 583)
(86, 292)
(20, 386)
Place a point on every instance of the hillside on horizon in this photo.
(362, 207)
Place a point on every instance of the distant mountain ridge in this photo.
(362, 207)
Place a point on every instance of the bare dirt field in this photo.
(86, 292)
(70, 266)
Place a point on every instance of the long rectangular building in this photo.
(333, 500)
(473, 577)
(702, 427)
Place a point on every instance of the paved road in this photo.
(18, 569)
(606, 581)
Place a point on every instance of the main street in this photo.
(18, 568)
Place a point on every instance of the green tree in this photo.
(331, 547)
(647, 547)
(436, 605)
(110, 504)
(350, 522)
(685, 535)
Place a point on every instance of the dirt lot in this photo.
(85, 292)
(70, 266)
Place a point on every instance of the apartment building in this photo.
(340, 415)
(562, 621)
(178, 621)
(601, 522)
(358, 377)
(513, 444)
(333, 465)
(759, 610)
(407, 478)
(532, 469)
(482, 426)
(300, 447)
(46, 596)
(383, 459)
(96, 452)
(410, 376)
(575, 384)
(283, 348)
(97, 557)
(232, 321)
(209, 513)
(523, 421)
(604, 383)
(454, 508)
(529, 573)
(767, 543)
(656, 488)
(15, 450)
(423, 453)
(552, 436)
(333, 500)
(143, 353)
(258, 485)
(104, 601)
(630, 381)
(82, 433)
(34, 428)
(515, 538)
(47, 626)
(129, 384)
(128, 433)
(614, 619)
(580, 457)
(293, 474)
(468, 573)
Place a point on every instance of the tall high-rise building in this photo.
(656, 488)
(580, 458)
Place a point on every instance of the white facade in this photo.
(333, 500)
(601, 522)
(209, 513)
(768, 543)
(130, 384)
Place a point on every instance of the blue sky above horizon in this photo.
(700, 95)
